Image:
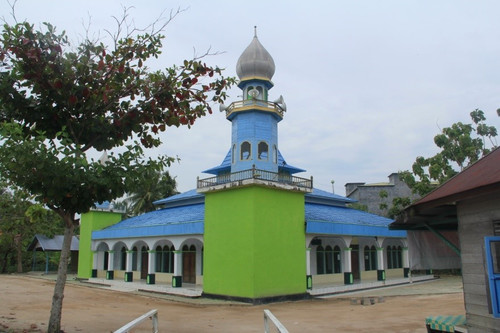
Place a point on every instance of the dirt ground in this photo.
(25, 307)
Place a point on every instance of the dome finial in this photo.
(255, 31)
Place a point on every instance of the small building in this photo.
(469, 203)
(376, 194)
(254, 230)
(50, 246)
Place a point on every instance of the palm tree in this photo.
(153, 185)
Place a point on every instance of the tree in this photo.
(58, 103)
(20, 220)
(152, 186)
(461, 145)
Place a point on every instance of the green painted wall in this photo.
(254, 242)
(93, 220)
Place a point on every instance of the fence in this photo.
(269, 317)
(255, 174)
(153, 314)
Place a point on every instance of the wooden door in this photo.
(355, 263)
(144, 264)
(189, 265)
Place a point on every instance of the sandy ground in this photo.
(25, 306)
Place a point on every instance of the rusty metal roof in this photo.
(480, 175)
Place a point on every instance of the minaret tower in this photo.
(254, 236)
(254, 140)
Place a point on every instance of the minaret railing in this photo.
(281, 178)
(254, 103)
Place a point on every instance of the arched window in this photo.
(399, 257)
(337, 263)
(320, 260)
(250, 88)
(233, 154)
(328, 260)
(370, 258)
(389, 257)
(261, 93)
(246, 151)
(263, 150)
(123, 259)
(160, 255)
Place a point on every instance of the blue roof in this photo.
(324, 197)
(180, 220)
(336, 220)
(184, 198)
(225, 166)
(325, 213)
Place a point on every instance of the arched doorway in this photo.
(189, 264)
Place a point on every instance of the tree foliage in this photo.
(461, 145)
(153, 185)
(20, 220)
(59, 102)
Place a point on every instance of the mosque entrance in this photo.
(189, 264)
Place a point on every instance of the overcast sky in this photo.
(368, 84)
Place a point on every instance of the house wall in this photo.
(475, 222)
(254, 243)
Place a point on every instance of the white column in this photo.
(151, 262)
(111, 260)
(309, 281)
(177, 278)
(380, 264)
(129, 275)
(380, 258)
(129, 259)
(406, 262)
(347, 260)
(110, 274)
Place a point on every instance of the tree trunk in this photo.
(57, 299)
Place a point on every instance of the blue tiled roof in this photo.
(187, 217)
(190, 196)
(224, 166)
(336, 220)
(324, 197)
(169, 221)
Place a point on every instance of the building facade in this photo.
(253, 231)
(375, 196)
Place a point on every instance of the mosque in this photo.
(253, 231)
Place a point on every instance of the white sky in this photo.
(368, 84)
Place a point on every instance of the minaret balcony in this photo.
(255, 177)
(254, 105)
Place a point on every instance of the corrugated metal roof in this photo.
(324, 219)
(43, 243)
(190, 196)
(324, 196)
(324, 212)
(180, 220)
(484, 172)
